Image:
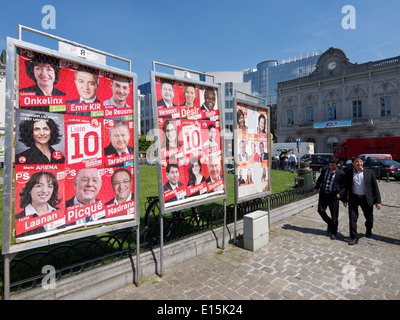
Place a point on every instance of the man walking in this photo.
(361, 191)
(331, 185)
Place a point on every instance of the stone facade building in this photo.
(340, 100)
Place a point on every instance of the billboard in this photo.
(74, 145)
(188, 121)
(252, 151)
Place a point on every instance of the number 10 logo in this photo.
(84, 142)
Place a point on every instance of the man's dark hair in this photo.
(172, 165)
(334, 160)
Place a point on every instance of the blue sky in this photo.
(217, 35)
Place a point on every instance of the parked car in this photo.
(317, 160)
(390, 167)
(376, 156)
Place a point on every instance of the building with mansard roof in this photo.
(340, 100)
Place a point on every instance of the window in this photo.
(386, 106)
(357, 109)
(310, 114)
(228, 116)
(228, 104)
(228, 89)
(290, 117)
(330, 143)
(332, 111)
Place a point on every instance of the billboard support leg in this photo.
(235, 227)
(161, 244)
(7, 274)
(224, 227)
(137, 256)
(269, 212)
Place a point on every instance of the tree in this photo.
(144, 144)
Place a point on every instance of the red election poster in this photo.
(84, 142)
(171, 138)
(118, 104)
(190, 141)
(118, 143)
(118, 192)
(84, 169)
(191, 136)
(41, 82)
(210, 137)
(174, 180)
(167, 101)
(50, 84)
(39, 138)
(83, 188)
(39, 201)
(74, 146)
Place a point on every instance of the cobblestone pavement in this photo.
(299, 262)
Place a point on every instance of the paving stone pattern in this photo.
(299, 262)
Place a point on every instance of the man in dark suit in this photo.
(119, 139)
(214, 169)
(87, 184)
(167, 93)
(173, 180)
(330, 184)
(87, 83)
(263, 155)
(361, 191)
(121, 183)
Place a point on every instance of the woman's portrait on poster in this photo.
(39, 133)
(190, 95)
(262, 121)
(241, 120)
(195, 176)
(38, 197)
(170, 136)
(45, 72)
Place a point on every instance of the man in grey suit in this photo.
(361, 191)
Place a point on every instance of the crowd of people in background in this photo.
(285, 161)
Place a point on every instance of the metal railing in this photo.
(72, 258)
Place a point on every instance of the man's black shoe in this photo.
(368, 234)
(353, 241)
(333, 236)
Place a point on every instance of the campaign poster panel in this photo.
(189, 125)
(252, 145)
(74, 146)
(49, 84)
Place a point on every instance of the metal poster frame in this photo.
(163, 210)
(9, 249)
(244, 102)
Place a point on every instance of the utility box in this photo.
(255, 230)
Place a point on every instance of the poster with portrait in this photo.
(190, 143)
(50, 84)
(39, 201)
(36, 132)
(74, 145)
(118, 143)
(252, 151)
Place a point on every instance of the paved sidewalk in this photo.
(300, 262)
